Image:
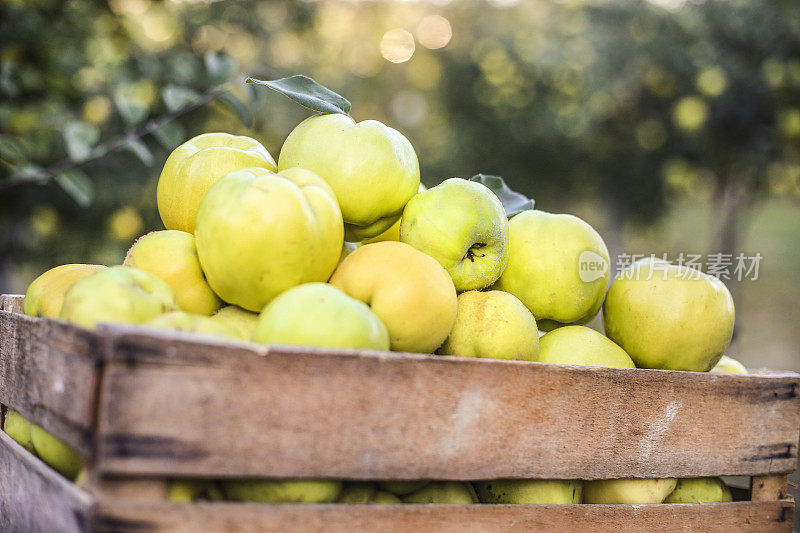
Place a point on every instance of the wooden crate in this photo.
(144, 406)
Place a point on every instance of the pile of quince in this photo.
(339, 245)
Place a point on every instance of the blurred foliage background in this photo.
(671, 125)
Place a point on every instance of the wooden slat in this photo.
(172, 406)
(768, 487)
(49, 371)
(35, 498)
(131, 489)
(12, 302)
(772, 517)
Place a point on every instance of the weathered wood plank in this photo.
(131, 489)
(768, 487)
(35, 498)
(12, 302)
(49, 372)
(772, 517)
(174, 406)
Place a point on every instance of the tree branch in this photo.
(41, 176)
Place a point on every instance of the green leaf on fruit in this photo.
(77, 185)
(308, 93)
(513, 202)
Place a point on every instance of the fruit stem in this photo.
(471, 254)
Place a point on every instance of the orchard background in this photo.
(670, 126)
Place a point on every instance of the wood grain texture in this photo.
(175, 406)
(35, 498)
(12, 302)
(130, 489)
(768, 487)
(49, 371)
(772, 517)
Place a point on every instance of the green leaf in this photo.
(308, 93)
(513, 202)
(175, 96)
(253, 93)
(140, 150)
(77, 185)
(130, 111)
(28, 171)
(11, 149)
(170, 134)
(79, 138)
(240, 108)
(220, 66)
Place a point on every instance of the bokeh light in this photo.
(690, 113)
(397, 45)
(712, 81)
(44, 220)
(789, 122)
(434, 32)
(96, 109)
(125, 224)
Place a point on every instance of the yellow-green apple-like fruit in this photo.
(579, 345)
(347, 249)
(629, 491)
(186, 491)
(393, 233)
(318, 314)
(669, 316)
(120, 294)
(729, 365)
(45, 295)
(557, 266)
(191, 323)
(19, 428)
(193, 167)
(493, 324)
(172, 256)
(283, 491)
(259, 233)
(365, 492)
(372, 168)
(385, 498)
(357, 492)
(401, 488)
(443, 492)
(540, 491)
(240, 321)
(56, 453)
(410, 292)
(463, 225)
(700, 490)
